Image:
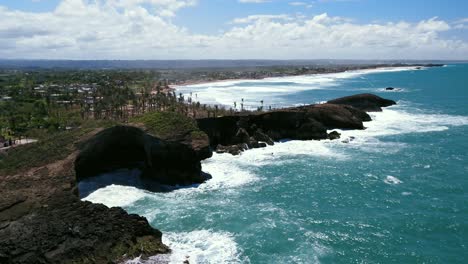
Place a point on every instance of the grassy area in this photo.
(50, 147)
(167, 125)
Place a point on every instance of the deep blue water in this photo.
(395, 194)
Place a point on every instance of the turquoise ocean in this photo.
(397, 193)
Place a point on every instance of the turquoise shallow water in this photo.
(395, 194)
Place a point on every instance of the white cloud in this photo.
(461, 23)
(253, 18)
(298, 3)
(253, 1)
(141, 29)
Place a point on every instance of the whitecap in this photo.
(392, 180)
(200, 246)
(397, 120)
(116, 195)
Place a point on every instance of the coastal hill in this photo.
(42, 219)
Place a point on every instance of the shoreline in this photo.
(329, 71)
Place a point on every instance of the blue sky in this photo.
(216, 22)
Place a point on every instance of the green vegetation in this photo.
(50, 147)
(48, 101)
(168, 124)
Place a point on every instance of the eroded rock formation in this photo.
(365, 102)
(165, 162)
(234, 134)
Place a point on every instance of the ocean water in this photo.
(397, 193)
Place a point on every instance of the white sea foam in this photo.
(392, 180)
(116, 195)
(270, 89)
(395, 120)
(200, 246)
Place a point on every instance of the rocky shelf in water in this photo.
(43, 220)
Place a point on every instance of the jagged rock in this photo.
(42, 219)
(233, 149)
(260, 136)
(253, 143)
(334, 135)
(301, 123)
(242, 136)
(67, 230)
(365, 102)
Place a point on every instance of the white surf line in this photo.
(270, 89)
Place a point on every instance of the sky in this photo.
(234, 29)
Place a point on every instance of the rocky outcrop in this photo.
(42, 219)
(334, 135)
(301, 123)
(66, 230)
(364, 102)
(165, 162)
(230, 134)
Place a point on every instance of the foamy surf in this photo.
(116, 195)
(200, 246)
(270, 90)
(396, 120)
(196, 247)
(392, 180)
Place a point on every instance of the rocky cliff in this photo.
(42, 219)
(233, 134)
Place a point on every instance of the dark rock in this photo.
(69, 230)
(334, 135)
(262, 145)
(253, 143)
(389, 89)
(242, 136)
(301, 123)
(337, 116)
(232, 149)
(166, 162)
(365, 102)
(42, 219)
(260, 136)
(221, 130)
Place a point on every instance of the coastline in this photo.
(350, 134)
(371, 68)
